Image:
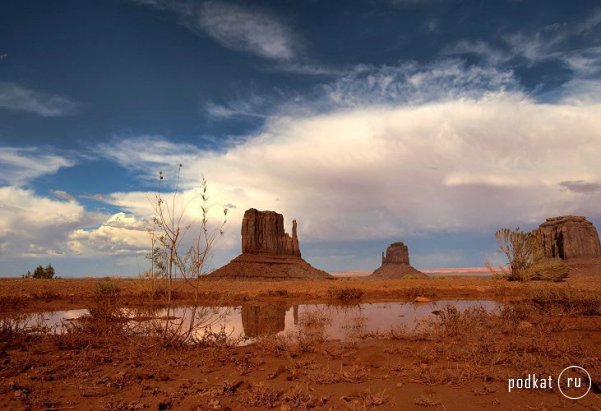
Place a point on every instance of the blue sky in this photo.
(427, 121)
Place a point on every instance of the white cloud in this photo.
(119, 234)
(413, 84)
(235, 27)
(384, 152)
(491, 55)
(377, 172)
(16, 97)
(247, 30)
(150, 155)
(31, 225)
(20, 165)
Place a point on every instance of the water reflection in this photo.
(256, 320)
(262, 320)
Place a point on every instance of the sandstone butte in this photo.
(268, 252)
(395, 264)
(575, 240)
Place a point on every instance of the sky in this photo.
(432, 122)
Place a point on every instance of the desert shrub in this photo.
(220, 339)
(277, 293)
(345, 294)
(312, 327)
(566, 300)
(526, 257)
(11, 327)
(106, 316)
(273, 343)
(12, 302)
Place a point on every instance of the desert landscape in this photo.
(268, 331)
(300, 205)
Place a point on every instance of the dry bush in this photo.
(299, 398)
(484, 340)
(345, 294)
(217, 339)
(46, 296)
(354, 374)
(526, 257)
(12, 303)
(370, 400)
(14, 331)
(274, 344)
(264, 397)
(106, 316)
(312, 330)
(566, 301)
(414, 292)
(398, 332)
(356, 331)
(427, 401)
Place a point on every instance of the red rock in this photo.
(263, 232)
(569, 237)
(396, 253)
(575, 240)
(268, 252)
(395, 264)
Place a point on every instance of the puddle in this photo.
(254, 321)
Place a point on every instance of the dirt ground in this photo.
(58, 294)
(459, 361)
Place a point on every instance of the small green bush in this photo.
(41, 272)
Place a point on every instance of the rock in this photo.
(395, 264)
(570, 237)
(268, 252)
(263, 232)
(575, 240)
(422, 300)
(396, 253)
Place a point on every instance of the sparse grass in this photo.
(345, 294)
(312, 330)
(12, 303)
(370, 399)
(219, 339)
(264, 397)
(566, 301)
(427, 401)
(299, 398)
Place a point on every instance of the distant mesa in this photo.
(395, 264)
(575, 240)
(268, 252)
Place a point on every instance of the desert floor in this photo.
(456, 361)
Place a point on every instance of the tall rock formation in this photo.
(268, 252)
(570, 237)
(395, 263)
(573, 239)
(263, 232)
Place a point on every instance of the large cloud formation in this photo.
(381, 171)
(380, 153)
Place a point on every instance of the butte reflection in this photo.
(260, 320)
